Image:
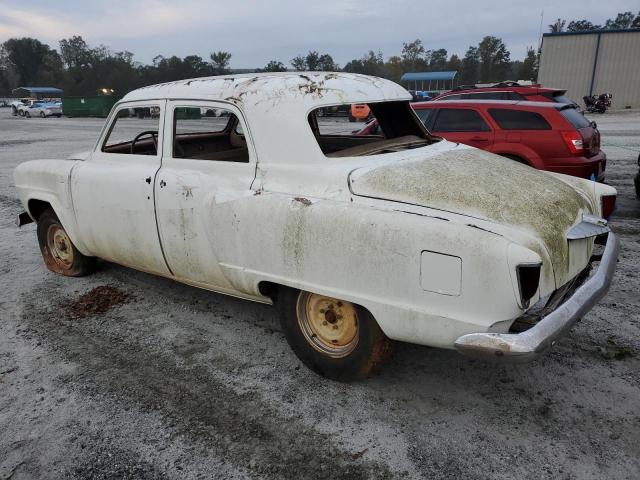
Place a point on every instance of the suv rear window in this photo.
(575, 118)
(518, 119)
(459, 120)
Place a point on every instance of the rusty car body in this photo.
(431, 242)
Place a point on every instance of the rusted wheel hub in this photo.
(328, 324)
(60, 246)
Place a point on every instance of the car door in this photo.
(208, 167)
(463, 125)
(112, 191)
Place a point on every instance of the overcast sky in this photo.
(256, 31)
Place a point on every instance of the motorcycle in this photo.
(597, 103)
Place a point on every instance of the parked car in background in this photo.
(18, 105)
(356, 239)
(548, 136)
(508, 91)
(44, 109)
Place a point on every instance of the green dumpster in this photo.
(88, 106)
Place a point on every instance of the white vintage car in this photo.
(356, 239)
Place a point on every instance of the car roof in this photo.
(524, 89)
(275, 106)
(515, 104)
(267, 92)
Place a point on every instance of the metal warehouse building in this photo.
(595, 62)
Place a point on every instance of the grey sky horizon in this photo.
(256, 32)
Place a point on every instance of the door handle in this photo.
(479, 139)
(148, 180)
(163, 184)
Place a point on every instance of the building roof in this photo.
(426, 76)
(40, 90)
(591, 32)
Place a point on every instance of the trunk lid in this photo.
(481, 185)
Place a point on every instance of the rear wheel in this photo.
(58, 251)
(42, 114)
(334, 338)
(14, 111)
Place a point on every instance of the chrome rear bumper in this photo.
(525, 346)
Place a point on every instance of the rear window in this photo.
(459, 120)
(398, 129)
(518, 119)
(575, 118)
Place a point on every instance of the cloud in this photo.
(256, 31)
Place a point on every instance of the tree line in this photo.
(80, 69)
(622, 21)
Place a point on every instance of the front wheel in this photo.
(58, 251)
(334, 338)
(42, 114)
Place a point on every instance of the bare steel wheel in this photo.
(335, 338)
(58, 251)
(329, 325)
(60, 246)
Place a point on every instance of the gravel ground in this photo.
(172, 382)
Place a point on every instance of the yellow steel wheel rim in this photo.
(329, 325)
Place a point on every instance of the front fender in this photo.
(49, 181)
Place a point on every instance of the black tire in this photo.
(361, 358)
(27, 114)
(14, 111)
(42, 115)
(58, 251)
(352, 118)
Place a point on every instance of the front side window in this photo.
(518, 119)
(203, 133)
(397, 129)
(459, 120)
(134, 131)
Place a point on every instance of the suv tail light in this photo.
(528, 281)
(608, 204)
(573, 139)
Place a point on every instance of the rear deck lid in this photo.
(478, 184)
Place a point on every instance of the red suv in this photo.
(508, 91)
(547, 136)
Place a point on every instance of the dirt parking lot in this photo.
(122, 375)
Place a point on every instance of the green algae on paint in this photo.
(482, 185)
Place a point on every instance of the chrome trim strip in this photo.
(525, 346)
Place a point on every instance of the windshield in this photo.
(338, 129)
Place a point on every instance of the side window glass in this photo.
(134, 131)
(456, 96)
(518, 119)
(459, 120)
(201, 133)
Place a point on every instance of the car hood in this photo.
(481, 185)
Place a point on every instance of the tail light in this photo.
(608, 205)
(573, 139)
(528, 281)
